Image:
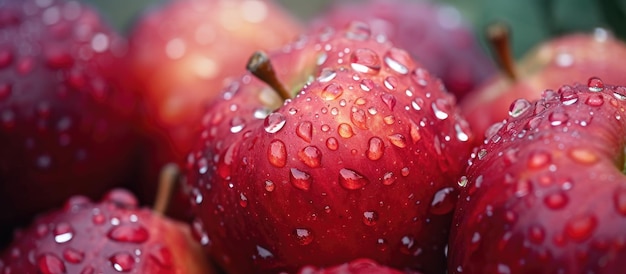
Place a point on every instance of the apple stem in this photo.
(260, 66)
(168, 180)
(499, 37)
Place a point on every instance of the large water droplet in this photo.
(583, 156)
(122, 262)
(595, 100)
(580, 227)
(519, 107)
(359, 118)
(303, 236)
(398, 60)
(50, 264)
(568, 95)
(370, 218)
(277, 153)
(332, 92)
(263, 252)
(390, 83)
(556, 200)
(365, 61)
(274, 122)
(236, 125)
(419, 76)
(443, 202)
(367, 85)
(358, 31)
(129, 234)
(73, 256)
(375, 149)
(441, 108)
(345, 130)
(389, 178)
(300, 179)
(389, 100)
(332, 143)
(397, 140)
(351, 180)
(326, 75)
(63, 233)
(539, 159)
(595, 84)
(305, 131)
(310, 156)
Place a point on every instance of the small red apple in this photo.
(546, 193)
(357, 158)
(111, 236)
(571, 58)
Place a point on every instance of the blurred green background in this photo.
(532, 21)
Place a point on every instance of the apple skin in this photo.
(181, 53)
(571, 58)
(435, 34)
(362, 162)
(111, 236)
(357, 266)
(546, 192)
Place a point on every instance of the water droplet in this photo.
(556, 200)
(415, 133)
(73, 256)
(370, 218)
(619, 198)
(351, 180)
(568, 95)
(389, 120)
(619, 93)
(595, 84)
(332, 92)
(162, 256)
(365, 61)
(263, 252)
(461, 130)
(274, 122)
(536, 233)
(345, 130)
(441, 108)
(50, 264)
(129, 234)
(397, 140)
(310, 156)
(326, 75)
(269, 186)
(407, 244)
(300, 179)
(321, 58)
(443, 202)
(359, 119)
(580, 227)
(405, 171)
(558, 118)
(389, 100)
(595, 100)
(417, 103)
(367, 85)
(390, 83)
(523, 188)
(419, 76)
(332, 143)
(277, 153)
(583, 156)
(519, 107)
(236, 125)
(243, 200)
(462, 182)
(376, 149)
(122, 262)
(539, 159)
(305, 131)
(389, 178)
(63, 233)
(358, 31)
(398, 60)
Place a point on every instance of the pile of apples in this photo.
(228, 136)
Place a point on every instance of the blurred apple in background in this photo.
(182, 53)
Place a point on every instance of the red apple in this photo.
(111, 236)
(359, 159)
(358, 266)
(182, 53)
(546, 193)
(64, 124)
(435, 34)
(571, 58)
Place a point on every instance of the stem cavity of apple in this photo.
(260, 66)
(168, 181)
(499, 37)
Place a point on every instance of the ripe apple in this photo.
(344, 149)
(111, 236)
(182, 53)
(435, 34)
(574, 57)
(64, 124)
(547, 192)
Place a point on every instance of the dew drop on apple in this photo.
(63, 233)
(595, 84)
(263, 253)
(443, 202)
(620, 93)
(305, 131)
(397, 60)
(414, 132)
(619, 200)
(419, 76)
(358, 31)
(375, 149)
(129, 234)
(236, 125)
(538, 159)
(556, 200)
(397, 140)
(351, 180)
(359, 119)
(462, 182)
(580, 227)
(407, 244)
(321, 58)
(519, 107)
(389, 100)
(417, 103)
(310, 156)
(461, 130)
(441, 108)
(370, 218)
(389, 178)
(277, 153)
(523, 188)
(73, 256)
(303, 236)
(122, 262)
(365, 61)
(243, 200)
(327, 75)
(366, 85)
(558, 118)
(345, 130)
(536, 233)
(332, 143)
(389, 119)
(50, 264)
(274, 122)
(332, 92)
(567, 95)
(269, 186)
(300, 179)
(595, 100)
(390, 83)
(405, 171)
